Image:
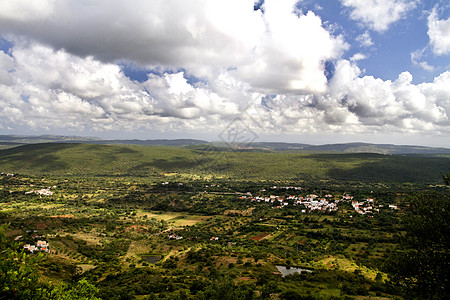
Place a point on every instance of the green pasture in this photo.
(175, 218)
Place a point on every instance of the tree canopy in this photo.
(422, 264)
(19, 277)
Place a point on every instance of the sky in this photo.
(318, 72)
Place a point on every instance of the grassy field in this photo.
(181, 163)
(175, 219)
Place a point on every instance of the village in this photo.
(313, 202)
(39, 246)
(307, 203)
(41, 192)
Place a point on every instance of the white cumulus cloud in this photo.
(378, 102)
(378, 15)
(364, 39)
(65, 69)
(277, 51)
(44, 88)
(416, 59)
(439, 33)
(358, 56)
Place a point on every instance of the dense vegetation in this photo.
(100, 160)
(126, 222)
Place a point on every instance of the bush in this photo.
(354, 289)
(294, 295)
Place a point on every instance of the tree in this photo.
(19, 277)
(268, 289)
(420, 266)
(226, 289)
(83, 290)
(446, 178)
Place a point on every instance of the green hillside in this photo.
(94, 160)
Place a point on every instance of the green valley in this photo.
(159, 222)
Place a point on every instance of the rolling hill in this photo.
(62, 159)
(352, 148)
(8, 141)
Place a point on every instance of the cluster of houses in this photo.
(41, 246)
(7, 174)
(315, 202)
(211, 185)
(296, 188)
(311, 202)
(365, 207)
(320, 205)
(179, 237)
(270, 199)
(42, 192)
(174, 237)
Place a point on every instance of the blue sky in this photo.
(391, 51)
(299, 71)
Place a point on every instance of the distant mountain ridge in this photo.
(15, 140)
(159, 142)
(355, 148)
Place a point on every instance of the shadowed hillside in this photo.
(94, 160)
